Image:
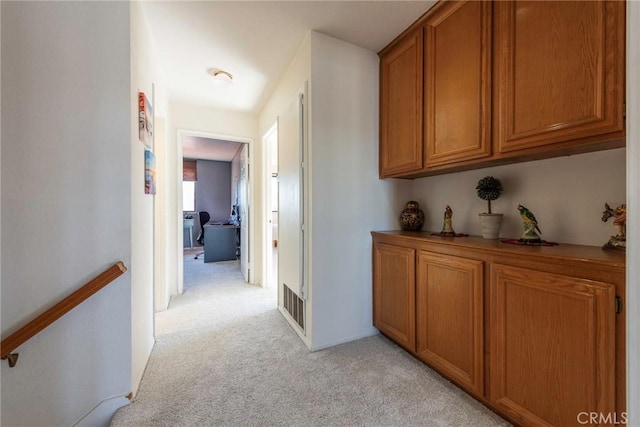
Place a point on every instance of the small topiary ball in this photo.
(489, 188)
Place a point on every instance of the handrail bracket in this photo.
(12, 358)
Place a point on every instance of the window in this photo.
(188, 196)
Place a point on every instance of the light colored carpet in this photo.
(224, 356)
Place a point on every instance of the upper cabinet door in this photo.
(560, 72)
(401, 107)
(458, 82)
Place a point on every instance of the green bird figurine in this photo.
(531, 229)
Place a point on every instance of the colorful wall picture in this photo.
(145, 120)
(149, 172)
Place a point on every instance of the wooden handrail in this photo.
(23, 334)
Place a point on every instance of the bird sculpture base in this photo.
(531, 241)
(530, 235)
(449, 234)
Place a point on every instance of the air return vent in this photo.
(294, 305)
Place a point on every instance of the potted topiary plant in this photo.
(490, 188)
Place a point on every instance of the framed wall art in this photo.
(149, 172)
(145, 120)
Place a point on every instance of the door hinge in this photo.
(624, 111)
(618, 305)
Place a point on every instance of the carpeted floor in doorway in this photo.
(224, 356)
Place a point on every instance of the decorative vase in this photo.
(490, 225)
(412, 217)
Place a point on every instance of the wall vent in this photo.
(294, 305)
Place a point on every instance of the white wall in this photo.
(162, 251)
(347, 199)
(204, 119)
(566, 212)
(207, 121)
(297, 74)
(66, 205)
(633, 205)
(144, 74)
(0, 200)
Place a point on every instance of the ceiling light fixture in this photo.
(220, 77)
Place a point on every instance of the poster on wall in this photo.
(145, 120)
(149, 172)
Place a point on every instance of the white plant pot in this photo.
(490, 225)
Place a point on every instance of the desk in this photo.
(220, 242)
(187, 224)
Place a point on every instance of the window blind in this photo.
(189, 170)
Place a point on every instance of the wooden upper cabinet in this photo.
(478, 83)
(394, 311)
(560, 72)
(401, 146)
(552, 345)
(457, 88)
(449, 310)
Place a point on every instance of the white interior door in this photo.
(243, 201)
(270, 144)
(291, 196)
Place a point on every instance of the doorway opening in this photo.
(215, 201)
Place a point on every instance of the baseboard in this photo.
(341, 340)
(312, 346)
(295, 327)
(103, 412)
(136, 381)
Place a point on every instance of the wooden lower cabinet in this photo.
(535, 333)
(450, 317)
(552, 346)
(394, 310)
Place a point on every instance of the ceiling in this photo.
(256, 40)
(196, 147)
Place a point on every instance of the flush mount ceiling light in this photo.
(220, 77)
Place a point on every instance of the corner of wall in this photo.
(633, 203)
(0, 197)
(321, 345)
(305, 338)
(145, 77)
(344, 178)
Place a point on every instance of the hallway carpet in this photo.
(224, 356)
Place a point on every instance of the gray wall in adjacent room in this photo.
(213, 189)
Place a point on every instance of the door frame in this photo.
(179, 250)
(633, 204)
(267, 233)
